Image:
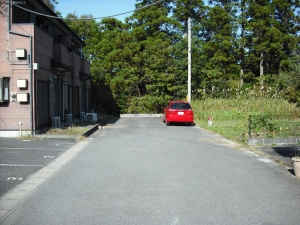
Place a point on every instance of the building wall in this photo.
(13, 112)
(57, 93)
(43, 51)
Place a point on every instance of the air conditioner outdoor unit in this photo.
(56, 122)
(92, 117)
(69, 118)
(82, 115)
(20, 53)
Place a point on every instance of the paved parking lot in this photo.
(19, 159)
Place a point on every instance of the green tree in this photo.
(51, 4)
(142, 63)
(103, 47)
(154, 32)
(114, 57)
(287, 24)
(85, 26)
(221, 61)
(288, 81)
(272, 32)
(197, 12)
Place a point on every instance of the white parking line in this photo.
(44, 149)
(21, 192)
(265, 160)
(20, 165)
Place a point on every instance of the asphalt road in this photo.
(20, 159)
(139, 171)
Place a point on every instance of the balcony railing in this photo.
(84, 66)
(62, 57)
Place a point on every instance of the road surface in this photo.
(139, 171)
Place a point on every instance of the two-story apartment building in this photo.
(44, 78)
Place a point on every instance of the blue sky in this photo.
(98, 8)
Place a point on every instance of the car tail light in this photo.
(190, 113)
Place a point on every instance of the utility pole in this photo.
(189, 60)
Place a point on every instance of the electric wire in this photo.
(94, 18)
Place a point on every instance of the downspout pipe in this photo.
(30, 65)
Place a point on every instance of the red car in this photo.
(179, 112)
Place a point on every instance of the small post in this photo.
(20, 123)
(249, 126)
(210, 121)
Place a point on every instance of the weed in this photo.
(81, 138)
(26, 136)
(231, 115)
(71, 130)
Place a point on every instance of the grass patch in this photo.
(26, 136)
(230, 116)
(72, 130)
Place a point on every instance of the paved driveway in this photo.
(139, 171)
(20, 159)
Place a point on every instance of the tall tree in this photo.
(221, 61)
(152, 21)
(51, 4)
(197, 12)
(288, 25)
(155, 33)
(272, 35)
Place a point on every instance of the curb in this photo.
(273, 141)
(74, 137)
(92, 130)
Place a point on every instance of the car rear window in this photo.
(180, 106)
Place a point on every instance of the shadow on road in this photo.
(182, 124)
(285, 151)
(111, 120)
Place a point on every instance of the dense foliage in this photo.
(237, 46)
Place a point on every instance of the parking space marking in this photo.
(13, 198)
(15, 178)
(44, 149)
(20, 165)
(266, 160)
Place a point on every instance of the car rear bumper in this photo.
(179, 119)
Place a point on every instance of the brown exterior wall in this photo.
(11, 113)
(57, 92)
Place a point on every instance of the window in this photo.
(180, 106)
(4, 89)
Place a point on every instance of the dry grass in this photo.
(26, 136)
(72, 130)
(230, 116)
(81, 138)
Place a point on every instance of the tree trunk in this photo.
(261, 69)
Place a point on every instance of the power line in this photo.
(95, 18)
